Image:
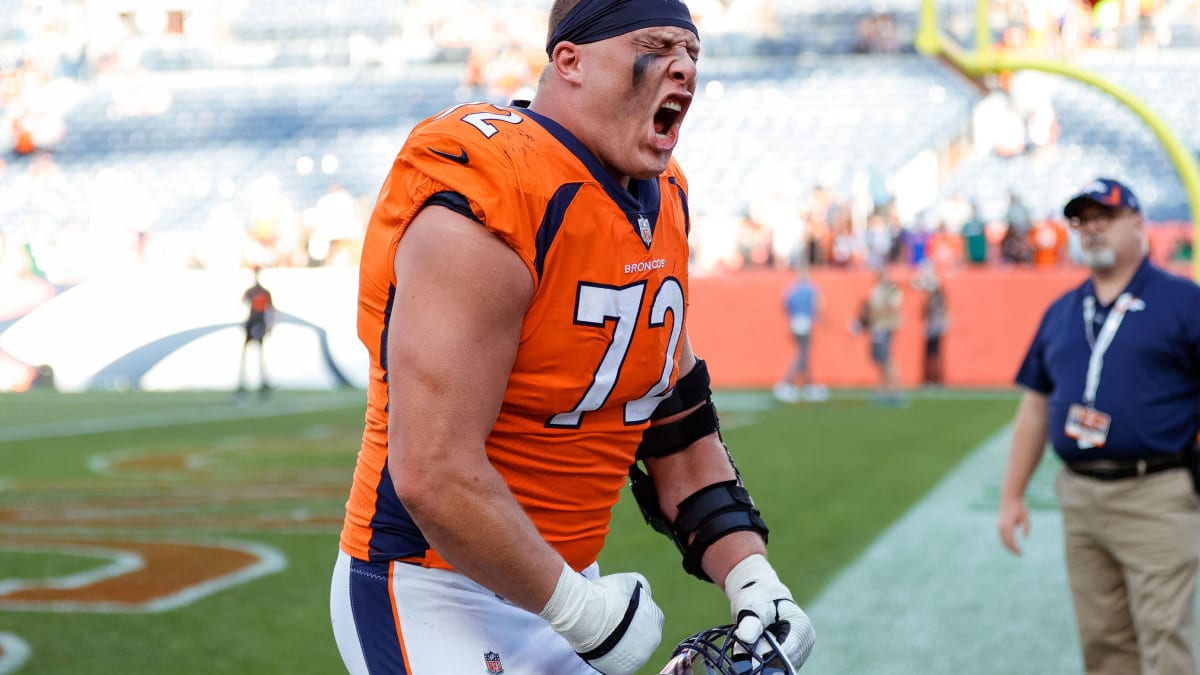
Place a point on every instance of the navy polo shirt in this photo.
(1150, 380)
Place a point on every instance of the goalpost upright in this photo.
(984, 60)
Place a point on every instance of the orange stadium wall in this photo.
(739, 326)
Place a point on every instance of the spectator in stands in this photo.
(1130, 513)
(1145, 24)
(1181, 251)
(820, 236)
(1047, 240)
(914, 241)
(943, 249)
(878, 242)
(877, 35)
(974, 238)
(1015, 247)
(802, 304)
(22, 135)
(897, 238)
(754, 243)
(844, 249)
(1017, 215)
(258, 325)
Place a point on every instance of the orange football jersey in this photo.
(600, 342)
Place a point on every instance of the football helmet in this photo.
(717, 651)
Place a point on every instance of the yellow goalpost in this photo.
(984, 60)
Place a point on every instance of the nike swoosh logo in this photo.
(461, 158)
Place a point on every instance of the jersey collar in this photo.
(641, 197)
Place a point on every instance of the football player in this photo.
(523, 296)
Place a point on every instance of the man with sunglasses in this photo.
(1112, 380)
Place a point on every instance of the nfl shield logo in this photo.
(644, 228)
(492, 661)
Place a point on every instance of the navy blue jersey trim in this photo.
(552, 220)
(687, 214)
(383, 336)
(398, 536)
(641, 199)
(453, 201)
(374, 622)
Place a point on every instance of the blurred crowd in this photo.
(64, 232)
(262, 227)
(824, 230)
(65, 239)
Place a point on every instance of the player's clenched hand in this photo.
(759, 601)
(612, 623)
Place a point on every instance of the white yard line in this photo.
(14, 652)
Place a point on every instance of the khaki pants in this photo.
(1132, 547)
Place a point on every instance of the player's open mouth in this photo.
(666, 122)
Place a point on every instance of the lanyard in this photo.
(1100, 343)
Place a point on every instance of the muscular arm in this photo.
(461, 294)
(1025, 452)
(703, 463)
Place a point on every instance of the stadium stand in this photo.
(809, 117)
(1100, 136)
(304, 94)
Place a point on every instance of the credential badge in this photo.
(644, 228)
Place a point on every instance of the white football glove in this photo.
(757, 599)
(612, 623)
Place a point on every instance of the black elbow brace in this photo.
(691, 390)
(704, 517)
(711, 513)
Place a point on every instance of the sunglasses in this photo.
(1098, 220)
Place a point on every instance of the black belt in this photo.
(1117, 469)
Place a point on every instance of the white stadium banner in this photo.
(179, 330)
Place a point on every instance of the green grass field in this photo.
(88, 483)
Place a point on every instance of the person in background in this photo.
(1112, 380)
(1015, 247)
(974, 238)
(881, 319)
(1048, 239)
(258, 325)
(802, 304)
(1017, 216)
(936, 321)
(523, 297)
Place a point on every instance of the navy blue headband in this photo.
(596, 20)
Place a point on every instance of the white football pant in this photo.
(393, 618)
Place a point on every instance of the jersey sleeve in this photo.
(449, 154)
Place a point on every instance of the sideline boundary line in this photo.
(200, 415)
(937, 594)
